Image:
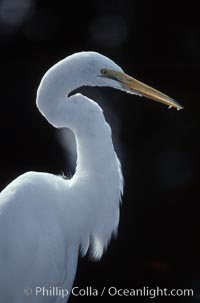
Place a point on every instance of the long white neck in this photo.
(97, 163)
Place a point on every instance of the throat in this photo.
(95, 152)
(99, 181)
(96, 185)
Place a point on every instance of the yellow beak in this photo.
(130, 84)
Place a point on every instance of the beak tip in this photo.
(174, 104)
(180, 108)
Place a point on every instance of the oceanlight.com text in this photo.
(112, 291)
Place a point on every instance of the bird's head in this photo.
(105, 72)
(88, 69)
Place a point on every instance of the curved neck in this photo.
(85, 118)
(98, 171)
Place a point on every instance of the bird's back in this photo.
(34, 249)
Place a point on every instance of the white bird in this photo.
(45, 220)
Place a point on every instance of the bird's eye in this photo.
(104, 71)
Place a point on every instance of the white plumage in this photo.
(44, 219)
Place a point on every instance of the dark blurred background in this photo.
(158, 43)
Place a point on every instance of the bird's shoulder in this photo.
(32, 187)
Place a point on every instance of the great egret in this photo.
(45, 220)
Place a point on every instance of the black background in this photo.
(158, 43)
